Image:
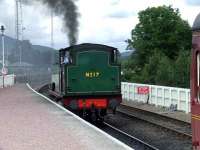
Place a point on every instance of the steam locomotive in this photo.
(89, 80)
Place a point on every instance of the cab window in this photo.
(66, 59)
(114, 56)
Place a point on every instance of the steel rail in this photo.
(129, 139)
(157, 114)
(189, 136)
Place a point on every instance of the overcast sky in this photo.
(101, 21)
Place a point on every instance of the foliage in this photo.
(162, 41)
(182, 70)
(165, 72)
(150, 69)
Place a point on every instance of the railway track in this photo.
(155, 135)
(178, 127)
(128, 139)
(142, 134)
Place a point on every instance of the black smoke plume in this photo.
(67, 9)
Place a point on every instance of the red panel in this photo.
(143, 90)
(87, 103)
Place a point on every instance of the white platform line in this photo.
(85, 122)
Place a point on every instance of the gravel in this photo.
(147, 133)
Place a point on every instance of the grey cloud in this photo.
(193, 2)
(121, 14)
(67, 9)
(33, 30)
(7, 20)
(121, 46)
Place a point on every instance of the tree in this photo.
(182, 70)
(165, 72)
(149, 71)
(159, 28)
(162, 43)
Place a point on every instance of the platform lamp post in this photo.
(3, 49)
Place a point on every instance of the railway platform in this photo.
(31, 122)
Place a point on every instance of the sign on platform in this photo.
(143, 90)
(4, 71)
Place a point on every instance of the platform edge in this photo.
(80, 119)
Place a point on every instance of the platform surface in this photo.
(29, 122)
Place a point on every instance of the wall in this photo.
(158, 95)
(9, 80)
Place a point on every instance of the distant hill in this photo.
(126, 54)
(34, 54)
(31, 54)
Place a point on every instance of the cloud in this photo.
(121, 46)
(110, 23)
(115, 2)
(7, 18)
(193, 2)
(121, 14)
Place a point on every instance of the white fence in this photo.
(8, 80)
(158, 95)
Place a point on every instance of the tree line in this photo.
(162, 43)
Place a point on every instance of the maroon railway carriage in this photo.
(195, 84)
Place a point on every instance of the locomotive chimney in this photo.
(196, 33)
